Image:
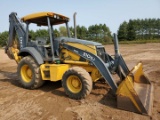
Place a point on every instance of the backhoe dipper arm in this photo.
(15, 27)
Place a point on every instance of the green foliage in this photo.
(32, 34)
(63, 31)
(134, 31)
(140, 41)
(71, 31)
(3, 38)
(100, 33)
(140, 29)
(131, 30)
(42, 33)
(56, 33)
(81, 32)
(122, 32)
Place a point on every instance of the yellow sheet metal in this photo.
(53, 72)
(40, 15)
(135, 93)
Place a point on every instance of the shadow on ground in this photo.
(48, 86)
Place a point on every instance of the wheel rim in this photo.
(74, 84)
(26, 73)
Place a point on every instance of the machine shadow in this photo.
(49, 86)
(9, 77)
(53, 87)
(109, 99)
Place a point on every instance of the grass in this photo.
(135, 42)
(140, 41)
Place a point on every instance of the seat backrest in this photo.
(43, 51)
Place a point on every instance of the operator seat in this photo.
(38, 45)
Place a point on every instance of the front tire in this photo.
(29, 73)
(77, 83)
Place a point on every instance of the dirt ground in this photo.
(51, 103)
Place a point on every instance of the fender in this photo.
(33, 52)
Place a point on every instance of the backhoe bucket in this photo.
(135, 93)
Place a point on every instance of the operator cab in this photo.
(45, 20)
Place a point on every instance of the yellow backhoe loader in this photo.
(77, 63)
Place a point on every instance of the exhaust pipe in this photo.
(75, 29)
(116, 47)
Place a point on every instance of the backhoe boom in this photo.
(16, 27)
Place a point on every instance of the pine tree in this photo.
(122, 31)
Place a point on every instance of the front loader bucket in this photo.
(135, 93)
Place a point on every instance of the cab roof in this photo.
(40, 18)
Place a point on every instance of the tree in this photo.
(81, 32)
(71, 31)
(106, 34)
(131, 32)
(63, 31)
(56, 33)
(3, 38)
(91, 32)
(157, 27)
(100, 33)
(146, 29)
(32, 34)
(42, 33)
(122, 31)
(78, 28)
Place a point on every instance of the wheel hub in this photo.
(29, 73)
(74, 84)
(26, 73)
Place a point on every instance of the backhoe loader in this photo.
(77, 63)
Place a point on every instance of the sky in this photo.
(89, 12)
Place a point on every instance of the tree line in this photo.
(100, 33)
(136, 29)
(139, 29)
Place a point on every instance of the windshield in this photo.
(41, 33)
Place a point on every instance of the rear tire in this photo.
(29, 73)
(77, 83)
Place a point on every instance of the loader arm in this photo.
(105, 68)
(96, 61)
